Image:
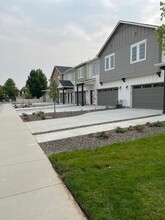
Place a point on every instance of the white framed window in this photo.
(80, 72)
(95, 68)
(110, 62)
(138, 52)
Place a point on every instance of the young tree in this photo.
(2, 93)
(36, 83)
(54, 92)
(26, 93)
(160, 32)
(10, 89)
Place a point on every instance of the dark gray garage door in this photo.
(148, 96)
(108, 97)
(80, 97)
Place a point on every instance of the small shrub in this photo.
(102, 134)
(130, 128)
(43, 117)
(157, 124)
(139, 128)
(119, 104)
(25, 117)
(149, 124)
(40, 113)
(120, 130)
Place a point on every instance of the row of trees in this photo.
(35, 85)
(8, 90)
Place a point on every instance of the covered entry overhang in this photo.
(65, 85)
(80, 93)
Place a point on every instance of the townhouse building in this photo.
(127, 70)
(122, 72)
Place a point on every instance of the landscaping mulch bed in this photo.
(37, 116)
(97, 140)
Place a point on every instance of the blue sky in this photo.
(44, 33)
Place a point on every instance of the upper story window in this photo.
(138, 51)
(95, 68)
(80, 72)
(69, 76)
(110, 62)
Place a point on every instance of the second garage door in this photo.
(108, 97)
(148, 96)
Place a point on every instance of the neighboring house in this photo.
(58, 75)
(87, 82)
(67, 86)
(58, 72)
(127, 71)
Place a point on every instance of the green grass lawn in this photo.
(119, 181)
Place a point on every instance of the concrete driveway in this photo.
(59, 108)
(89, 119)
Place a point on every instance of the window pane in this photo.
(107, 63)
(134, 54)
(93, 69)
(142, 51)
(112, 62)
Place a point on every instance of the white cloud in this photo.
(109, 3)
(8, 21)
(76, 31)
(150, 12)
(42, 33)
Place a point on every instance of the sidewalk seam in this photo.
(17, 194)
(15, 164)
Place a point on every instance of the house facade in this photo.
(122, 72)
(127, 71)
(87, 82)
(58, 75)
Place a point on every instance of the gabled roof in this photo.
(125, 22)
(86, 62)
(60, 69)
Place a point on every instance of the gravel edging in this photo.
(92, 141)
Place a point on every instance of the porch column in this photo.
(77, 95)
(82, 93)
(68, 98)
(162, 67)
(164, 93)
(63, 96)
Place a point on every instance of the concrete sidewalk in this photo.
(29, 187)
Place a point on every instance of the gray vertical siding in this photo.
(120, 42)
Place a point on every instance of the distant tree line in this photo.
(35, 84)
(8, 90)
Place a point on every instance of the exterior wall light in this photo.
(159, 74)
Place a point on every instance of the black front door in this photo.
(91, 97)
